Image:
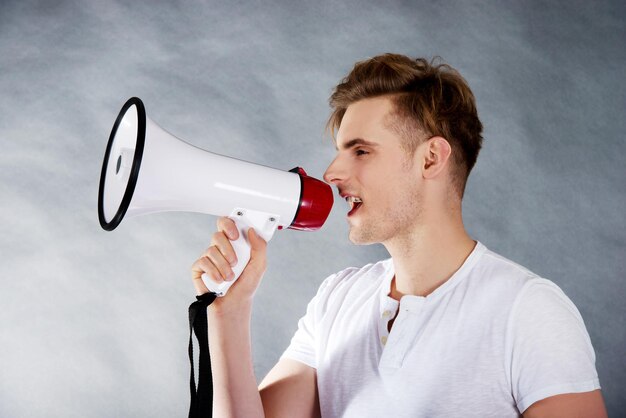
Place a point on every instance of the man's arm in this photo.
(290, 390)
(569, 405)
(235, 392)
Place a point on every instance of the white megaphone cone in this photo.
(146, 170)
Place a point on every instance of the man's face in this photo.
(372, 166)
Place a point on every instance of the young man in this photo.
(445, 327)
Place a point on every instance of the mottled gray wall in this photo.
(93, 324)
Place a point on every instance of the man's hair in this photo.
(430, 99)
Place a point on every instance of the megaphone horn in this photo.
(146, 170)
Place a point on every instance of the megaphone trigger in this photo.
(264, 224)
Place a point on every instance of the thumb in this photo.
(257, 244)
(258, 259)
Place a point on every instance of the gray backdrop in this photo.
(93, 323)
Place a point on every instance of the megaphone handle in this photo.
(264, 225)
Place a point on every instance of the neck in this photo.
(428, 255)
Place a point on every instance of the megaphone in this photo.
(148, 170)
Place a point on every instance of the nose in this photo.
(333, 173)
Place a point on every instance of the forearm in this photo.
(235, 391)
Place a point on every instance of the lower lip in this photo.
(354, 209)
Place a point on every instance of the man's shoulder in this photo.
(495, 264)
(499, 278)
(496, 271)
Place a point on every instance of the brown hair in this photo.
(430, 99)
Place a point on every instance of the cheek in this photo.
(389, 175)
(385, 193)
(400, 190)
(374, 174)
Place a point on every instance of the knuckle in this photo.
(212, 252)
(214, 274)
(231, 257)
(224, 222)
(197, 265)
(216, 237)
(224, 245)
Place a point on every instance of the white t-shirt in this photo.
(489, 342)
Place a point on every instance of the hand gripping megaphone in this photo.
(148, 170)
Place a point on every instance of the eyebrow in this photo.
(356, 141)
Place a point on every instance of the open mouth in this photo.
(354, 203)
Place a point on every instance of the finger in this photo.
(220, 263)
(228, 226)
(197, 270)
(221, 241)
(200, 287)
(205, 266)
(257, 244)
(258, 260)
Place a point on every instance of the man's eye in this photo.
(360, 152)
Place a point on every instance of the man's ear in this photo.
(436, 154)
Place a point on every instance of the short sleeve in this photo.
(549, 351)
(303, 346)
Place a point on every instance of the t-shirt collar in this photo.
(388, 302)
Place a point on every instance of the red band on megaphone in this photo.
(316, 201)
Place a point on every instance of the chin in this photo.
(361, 237)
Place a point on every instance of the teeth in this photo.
(352, 200)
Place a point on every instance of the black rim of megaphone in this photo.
(134, 171)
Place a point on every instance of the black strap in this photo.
(202, 398)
